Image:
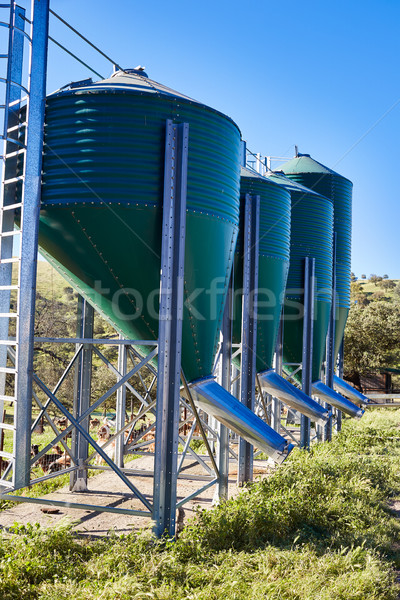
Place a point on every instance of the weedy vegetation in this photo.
(320, 528)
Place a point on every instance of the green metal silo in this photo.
(100, 221)
(309, 172)
(274, 253)
(311, 235)
(101, 215)
(274, 246)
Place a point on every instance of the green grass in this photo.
(370, 288)
(318, 529)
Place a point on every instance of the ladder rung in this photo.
(15, 153)
(19, 100)
(17, 127)
(13, 180)
(3, 288)
(3, 55)
(7, 343)
(10, 233)
(8, 315)
(11, 370)
(5, 5)
(8, 398)
(11, 206)
(7, 426)
(14, 259)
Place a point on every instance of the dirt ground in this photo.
(107, 489)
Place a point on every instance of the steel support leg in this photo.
(330, 348)
(170, 327)
(340, 373)
(82, 393)
(121, 407)
(29, 240)
(308, 326)
(221, 491)
(276, 404)
(249, 326)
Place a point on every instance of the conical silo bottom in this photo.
(111, 256)
(340, 325)
(293, 335)
(272, 275)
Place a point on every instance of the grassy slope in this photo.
(319, 529)
(370, 288)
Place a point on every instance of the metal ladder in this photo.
(19, 205)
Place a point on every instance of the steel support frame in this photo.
(170, 327)
(330, 363)
(121, 407)
(276, 404)
(82, 394)
(29, 241)
(307, 354)
(340, 374)
(249, 326)
(225, 369)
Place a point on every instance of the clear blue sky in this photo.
(312, 73)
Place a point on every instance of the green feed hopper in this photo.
(101, 215)
(274, 252)
(311, 235)
(321, 179)
(100, 220)
(274, 247)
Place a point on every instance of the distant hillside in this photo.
(365, 290)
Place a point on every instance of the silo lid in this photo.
(280, 178)
(303, 163)
(249, 173)
(135, 81)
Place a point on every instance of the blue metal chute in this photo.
(348, 390)
(220, 404)
(331, 397)
(282, 389)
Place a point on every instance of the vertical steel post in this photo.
(11, 116)
(276, 404)
(170, 327)
(121, 406)
(249, 326)
(221, 491)
(307, 356)
(340, 374)
(82, 393)
(330, 347)
(29, 239)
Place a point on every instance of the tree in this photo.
(357, 294)
(375, 278)
(363, 276)
(378, 295)
(388, 284)
(372, 339)
(386, 276)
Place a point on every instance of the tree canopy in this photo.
(372, 338)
